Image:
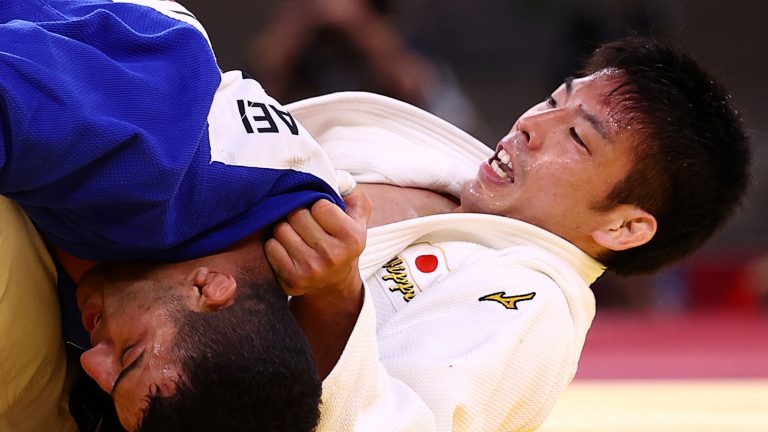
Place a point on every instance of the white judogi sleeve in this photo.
(359, 394)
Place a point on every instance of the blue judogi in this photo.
(107, 139)
(122, 140)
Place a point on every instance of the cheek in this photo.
(552, 159)
(565, 190)
(561, 176)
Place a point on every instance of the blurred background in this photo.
(480, 64)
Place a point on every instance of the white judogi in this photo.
(471, 322)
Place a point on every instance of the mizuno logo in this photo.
(509, 302)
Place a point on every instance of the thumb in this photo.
(358, 206)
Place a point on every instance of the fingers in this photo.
(359, 205)
(306, 240)
(331, 218)
(316, 249)
(325, 230)
(307, 228)
(348, 230)
(279, 259)
(335, 221)
(300, 235)
(277, 256)
(325, 219)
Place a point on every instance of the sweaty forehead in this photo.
(607, 74)
(616, 101)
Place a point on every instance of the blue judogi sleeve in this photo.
(107, 135)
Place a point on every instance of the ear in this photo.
(627, 226)
(216, 290)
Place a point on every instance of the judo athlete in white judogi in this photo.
(477, 299)
(472, 322)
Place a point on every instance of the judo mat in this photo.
(704, 371)
(661, 406)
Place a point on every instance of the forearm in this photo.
(315, 256)
(328, 322)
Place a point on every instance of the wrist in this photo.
(346, 297)
(327, 324)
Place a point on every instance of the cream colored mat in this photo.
(661, 406)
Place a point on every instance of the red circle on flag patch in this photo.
(426, 263)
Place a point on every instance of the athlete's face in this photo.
(558, 161)
(131, 323)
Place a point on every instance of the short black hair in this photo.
(246, 367)
(692, 155)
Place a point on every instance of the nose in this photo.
(98, 363)
(535, 125)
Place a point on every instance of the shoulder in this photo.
(32, 351)
(496, 335)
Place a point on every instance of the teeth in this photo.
(504, 157)
(497, 169)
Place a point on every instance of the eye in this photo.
(578, 139)
(124, 353)
(551, 102)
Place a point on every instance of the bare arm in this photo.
(315, 255)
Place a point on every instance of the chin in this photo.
(474, 196)
(475, 205)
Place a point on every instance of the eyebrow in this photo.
(134, 364)
(568, 81)
(596, 123)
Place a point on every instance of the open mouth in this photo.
(501, 164)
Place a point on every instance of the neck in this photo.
(74, 266)
(245, 255)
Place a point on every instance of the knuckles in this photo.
(329, 258)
